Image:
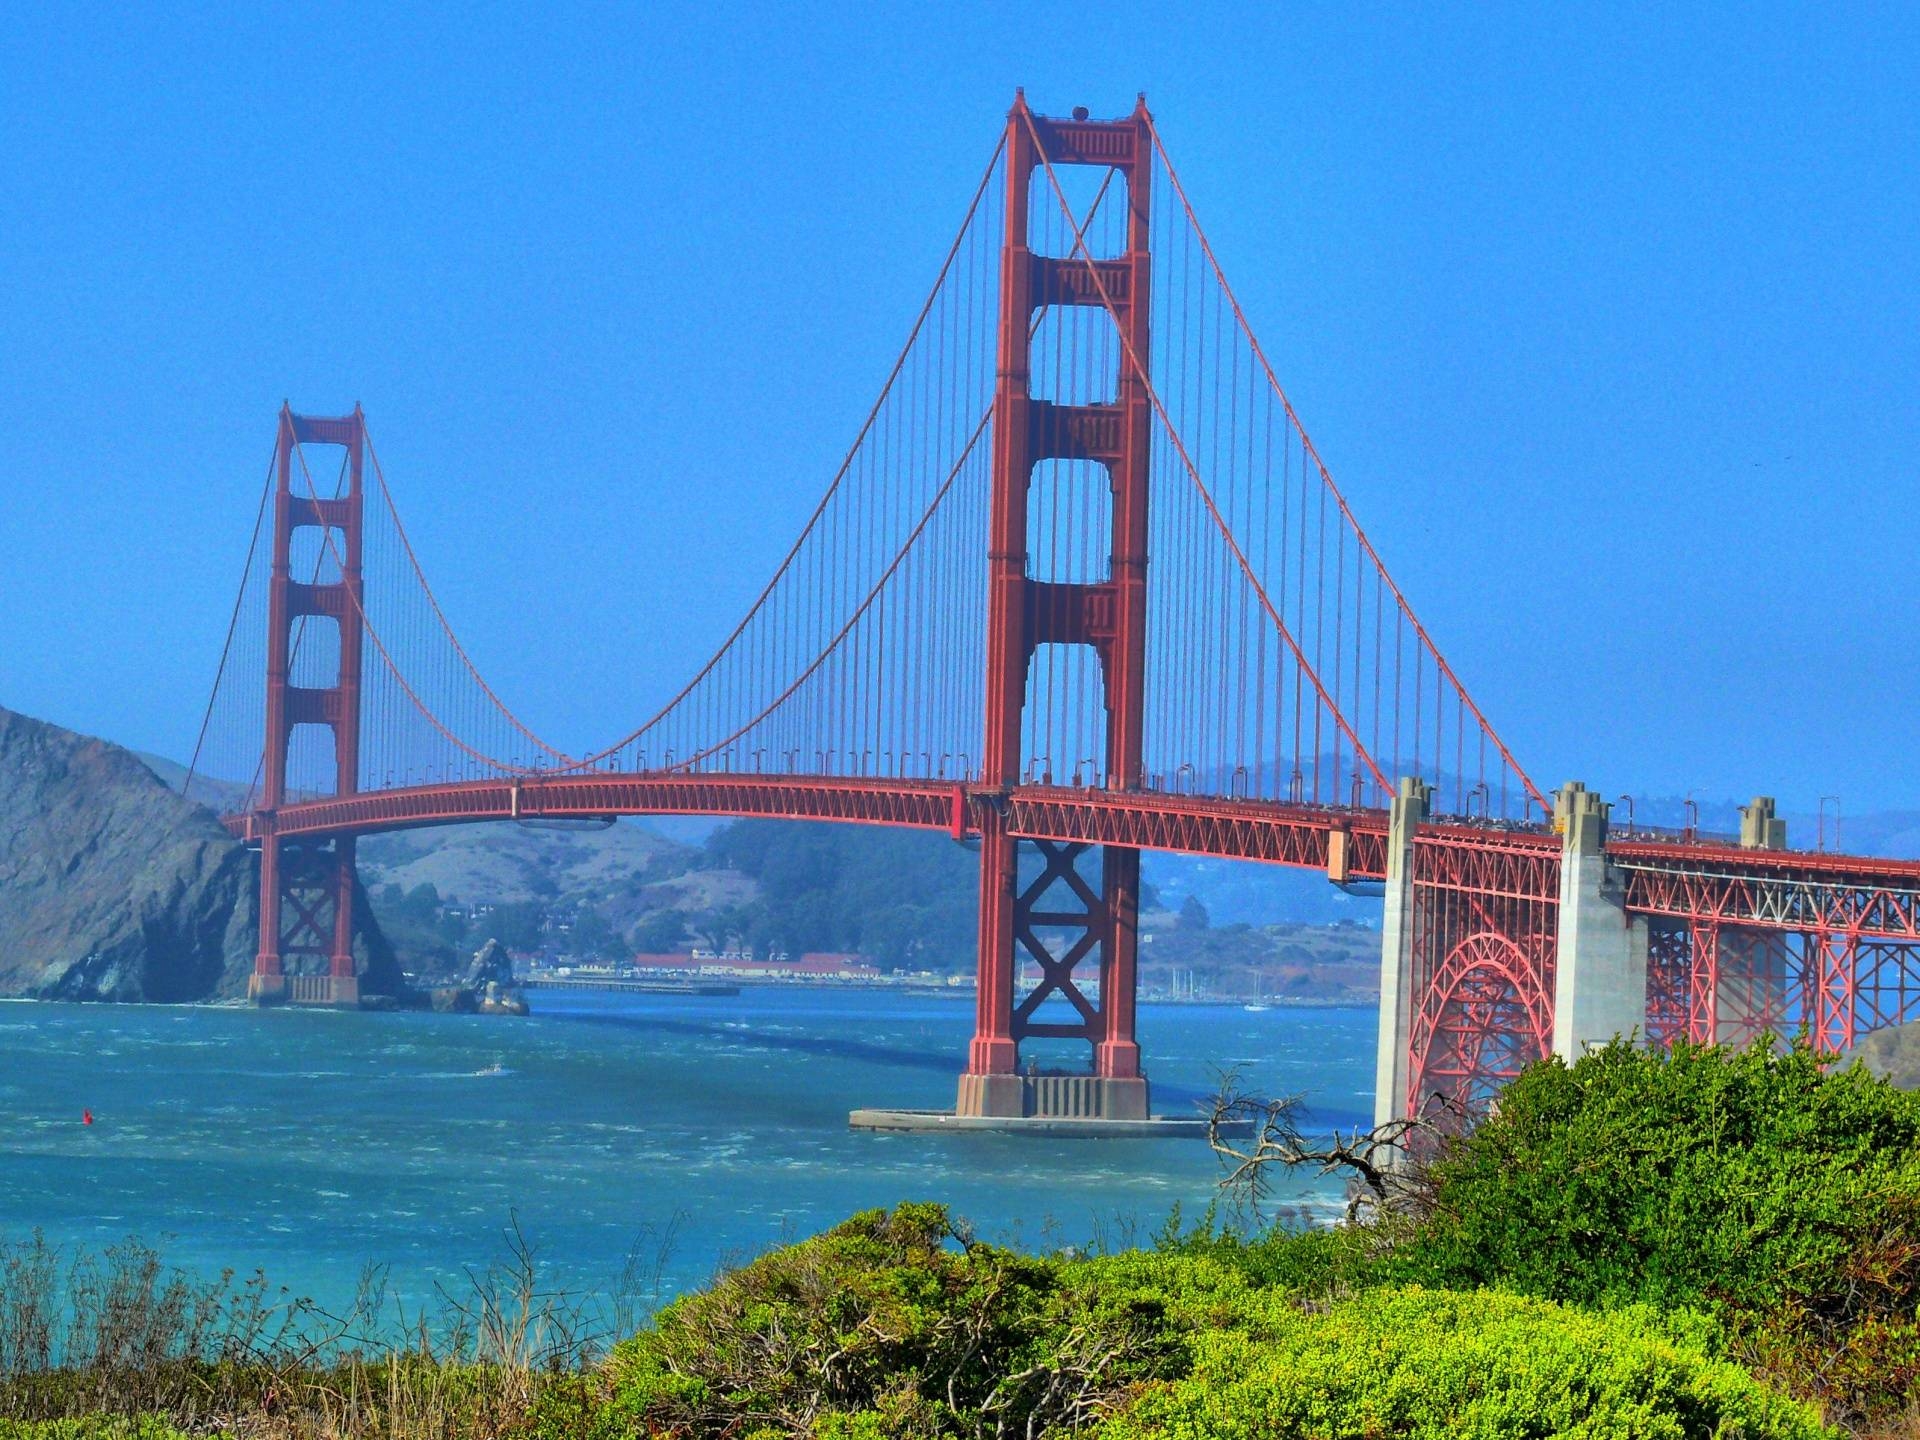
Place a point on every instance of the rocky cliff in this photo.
(112, 887)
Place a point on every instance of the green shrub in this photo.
(1420, 1363)
(1770, 1188)
(1321, 1262)
(885, 1312)
(890, 1325)
(1700, 1176)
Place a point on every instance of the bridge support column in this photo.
(314, 885)
(991, 1084)
(268, 983)
(343, 981)
(1600, 967)
(1397, 998)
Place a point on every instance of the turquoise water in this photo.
(310, 1143)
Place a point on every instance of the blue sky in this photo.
(1605, 318)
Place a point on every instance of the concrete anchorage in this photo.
(1600, 964)
(1397, 1000)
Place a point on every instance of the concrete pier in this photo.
(1154, 1127)
(1397, 1000)
(328, 992)
(1094, 1106)
(1600, 966)
(1063, 1097)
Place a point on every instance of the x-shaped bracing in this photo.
(1060, 864)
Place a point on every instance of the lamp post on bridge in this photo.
(1821, 842)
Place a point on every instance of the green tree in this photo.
(592, 937)
(660, 932)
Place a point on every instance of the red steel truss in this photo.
(1791, 890)
(1486, 908)
(1754, 941)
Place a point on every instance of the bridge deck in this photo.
(1672, 876)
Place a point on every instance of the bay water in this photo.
(659, 1136)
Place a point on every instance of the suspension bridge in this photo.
(1081, 587)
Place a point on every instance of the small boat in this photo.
(1255, 1009)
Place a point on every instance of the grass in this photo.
(119, 1345)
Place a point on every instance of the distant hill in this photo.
(513, 864)
(112, 887)
(1893, 1054)
(220, 796)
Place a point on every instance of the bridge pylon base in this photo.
(1054, 1097)
(266, 989)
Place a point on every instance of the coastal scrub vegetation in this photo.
(1695, 1242)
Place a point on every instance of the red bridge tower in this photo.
(1062, 917)
(306, 888)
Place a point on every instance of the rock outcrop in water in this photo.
(112, 887)
(488, 988)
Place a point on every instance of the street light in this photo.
(1627, 800)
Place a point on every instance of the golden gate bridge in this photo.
(1081, 587)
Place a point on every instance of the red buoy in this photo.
(86, 1117)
